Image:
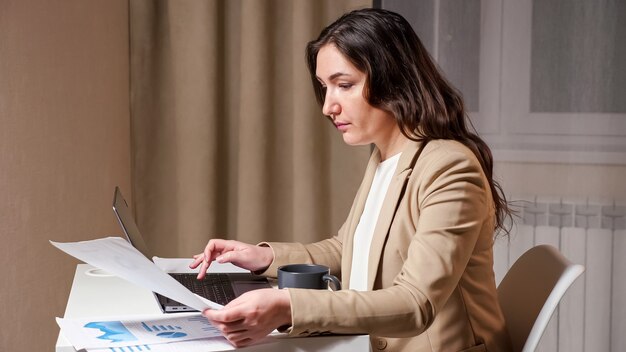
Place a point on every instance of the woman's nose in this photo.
(330, 107)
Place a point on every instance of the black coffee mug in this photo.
(312, 276)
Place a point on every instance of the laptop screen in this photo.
(125, 218)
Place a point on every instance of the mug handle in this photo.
(334, 280)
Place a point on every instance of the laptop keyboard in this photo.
(216, 287)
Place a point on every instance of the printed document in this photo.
(137, 333)
(120, 258)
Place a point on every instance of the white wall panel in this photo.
(549, 340)
(571, 309)
(618, 294)
(598, 290)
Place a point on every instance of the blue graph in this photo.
(171, 334)
(136, 348)
(114, 331)
(165, 331)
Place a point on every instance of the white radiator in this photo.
(592, 314)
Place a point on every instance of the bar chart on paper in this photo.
(169, 331)
(164, 331)
(203, 345)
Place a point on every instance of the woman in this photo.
(416, 248)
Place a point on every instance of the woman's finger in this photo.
(224, 315)
(229, 328)
(203, 268)
(229, 257)
(239, 341)
(240, 338)
(197, 259)
(214, 248)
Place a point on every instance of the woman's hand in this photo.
(252, 315)
(247, 256)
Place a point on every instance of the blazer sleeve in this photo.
(449, 192)
(326, 252)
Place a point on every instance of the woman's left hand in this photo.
(252, 316)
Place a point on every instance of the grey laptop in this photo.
(218, 287)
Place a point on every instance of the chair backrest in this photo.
(530, 292)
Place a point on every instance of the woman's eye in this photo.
(345, 85)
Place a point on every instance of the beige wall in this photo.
(563, 180)
(64, 144)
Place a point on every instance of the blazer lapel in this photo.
(388, 210)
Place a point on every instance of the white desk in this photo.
(110, 295)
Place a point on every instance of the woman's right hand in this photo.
(247, 256)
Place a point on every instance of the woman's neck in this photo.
(392, 145)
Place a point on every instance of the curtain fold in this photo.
(227, 139)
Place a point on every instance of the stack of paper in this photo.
(184, 332)
(189, 332)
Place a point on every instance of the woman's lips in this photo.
(342, 126)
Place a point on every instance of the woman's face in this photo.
(358, 121)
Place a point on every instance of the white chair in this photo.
(530, 292)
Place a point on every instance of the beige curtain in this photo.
(227, 139)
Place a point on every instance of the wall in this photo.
(64, 145)
(562, 180)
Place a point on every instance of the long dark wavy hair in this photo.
(403, 79)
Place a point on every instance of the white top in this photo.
(367, 223)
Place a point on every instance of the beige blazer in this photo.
(431, 279)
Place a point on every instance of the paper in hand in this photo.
(120, 258)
